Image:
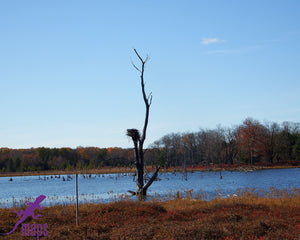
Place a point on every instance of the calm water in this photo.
(108, 187)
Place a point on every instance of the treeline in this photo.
(37, 159)
(248, 143)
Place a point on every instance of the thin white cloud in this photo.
(242, 50)
(207, 41)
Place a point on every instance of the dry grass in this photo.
(245, 217)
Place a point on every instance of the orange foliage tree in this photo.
(251, 140)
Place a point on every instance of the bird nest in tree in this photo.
(134, 134)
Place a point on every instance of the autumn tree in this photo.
(230, 146)
(139, 139)
(272, 140)
(251, 140)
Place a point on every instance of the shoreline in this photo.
(114, 170)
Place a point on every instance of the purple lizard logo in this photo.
(28, 212)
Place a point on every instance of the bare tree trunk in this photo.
(141, 188)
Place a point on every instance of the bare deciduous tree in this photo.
(138, 139)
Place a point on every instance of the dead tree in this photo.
(138, 139)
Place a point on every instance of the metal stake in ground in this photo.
(76, 186)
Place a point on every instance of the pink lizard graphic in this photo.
(28, 212)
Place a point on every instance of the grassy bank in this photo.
(246, 217)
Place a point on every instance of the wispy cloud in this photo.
(207, 41)
(242, 50)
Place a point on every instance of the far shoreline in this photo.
(124, 170)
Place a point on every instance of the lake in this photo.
(110, 187)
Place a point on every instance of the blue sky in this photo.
(67, 79)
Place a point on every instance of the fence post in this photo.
(76, 186)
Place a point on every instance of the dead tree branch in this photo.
(138, 139)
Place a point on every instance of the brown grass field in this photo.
(246, 217)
